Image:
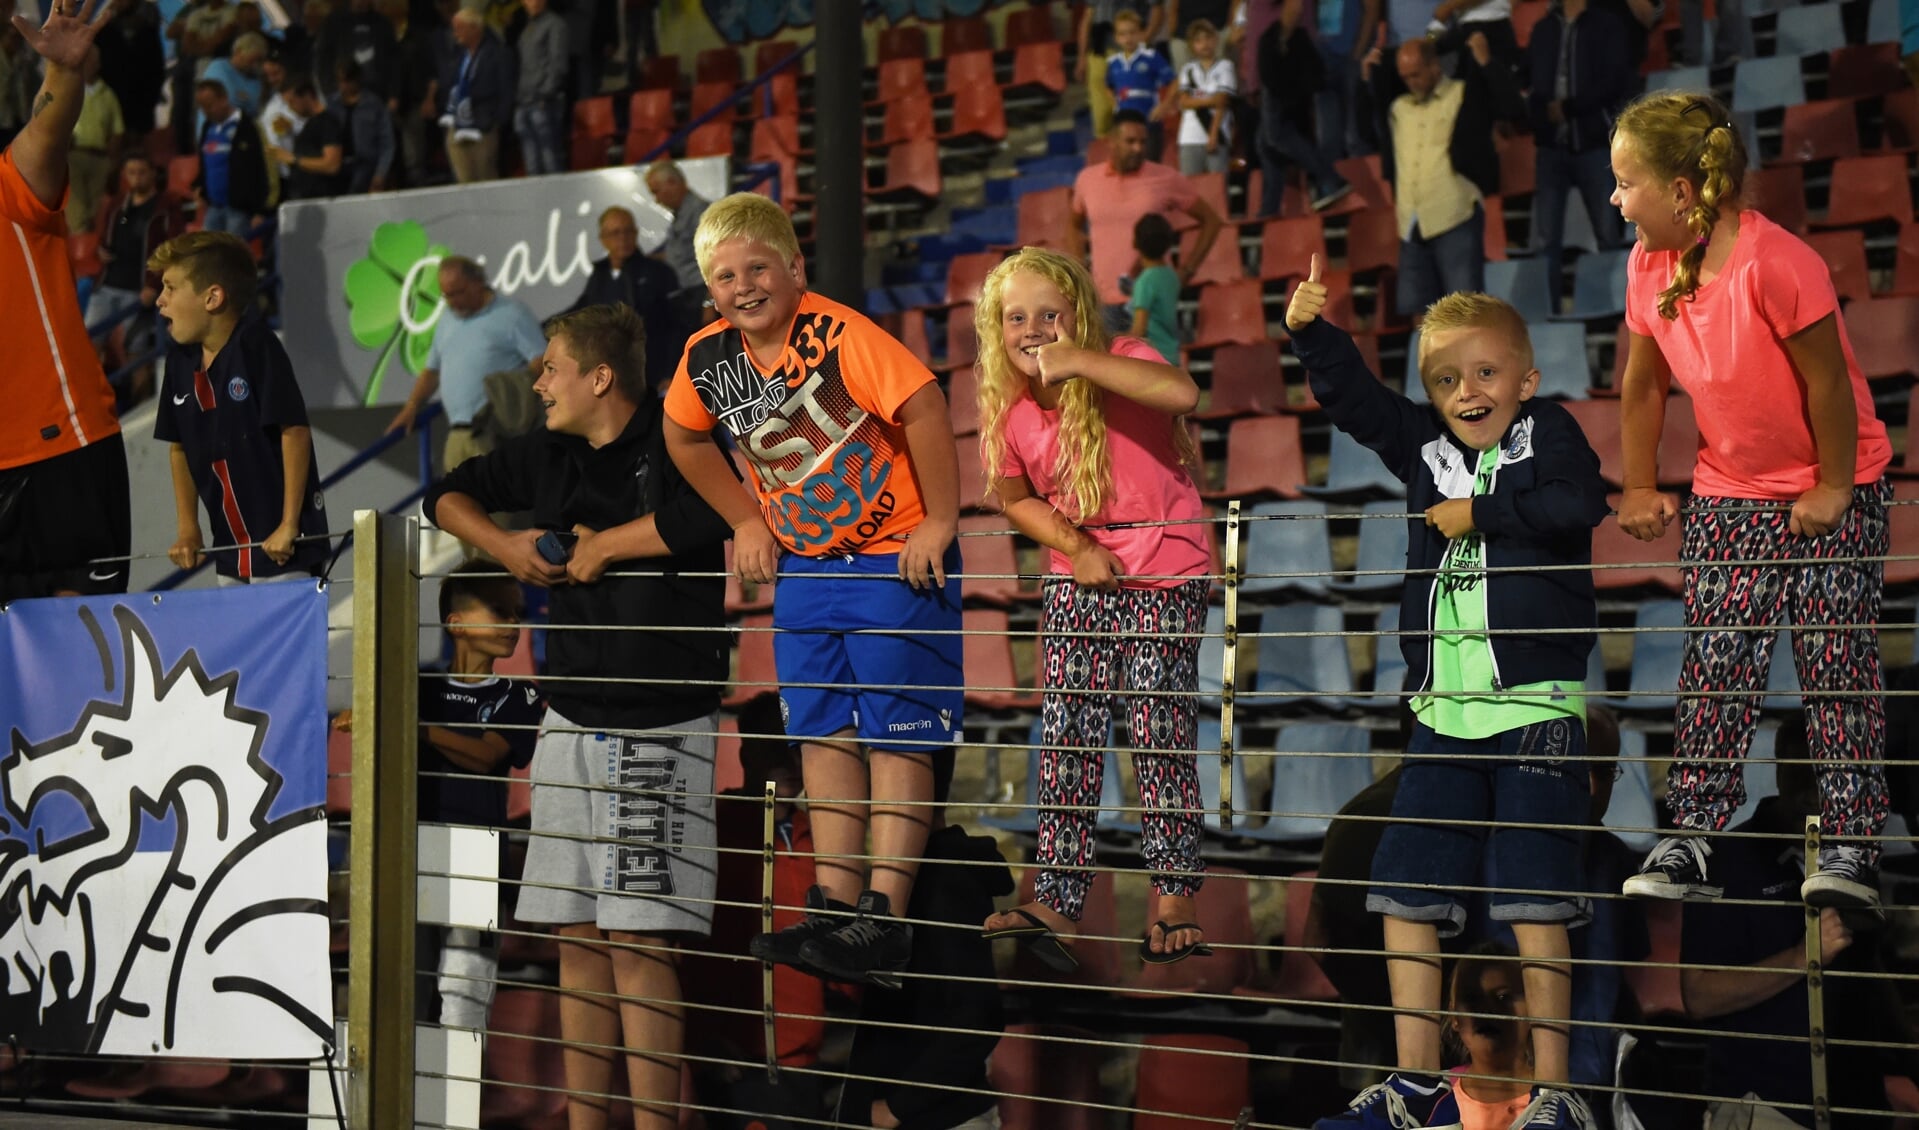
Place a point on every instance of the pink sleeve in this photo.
(1640, 291)
(1791, 285)
(1180, 192)
(1136, 349)
(1079, 195)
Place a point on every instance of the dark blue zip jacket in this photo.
(1545, 500)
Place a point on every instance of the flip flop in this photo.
(1197, 949)
(1040, 940)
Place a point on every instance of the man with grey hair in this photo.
(476, 95)
(667, 182)
(478, 333)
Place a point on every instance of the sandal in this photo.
(1041, 940)
(1197, 949)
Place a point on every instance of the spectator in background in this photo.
(368, 134)
(1154, 301)
(130, 227)
(1578, 88)
(1438, 155)
(133, 61)
(234, 189)
(539, 111)
(410, 95)
(240, 73)
(1096, 43)
(1207, 87)
(1346, 32)
(201, 32)
(918, 1058)
(1181, 15)
(1108, 201)
(476, 98)
(319, 150)
(1760, 924)
(1140, 78)
(1491, 18)
(97, 137)
(278, 124)
(357, 34)
(1290, 78)
(643, 284)
(61, 454)
(667, 183)
(478, 333)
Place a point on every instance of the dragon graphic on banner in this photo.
(163, 847)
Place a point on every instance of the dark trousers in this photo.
(1560, 172)
(1433, 267)
(1281, 143)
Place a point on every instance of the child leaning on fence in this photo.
(1498, 569)
(1080, 433)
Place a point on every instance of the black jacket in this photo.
(565, 482)
(249, 189)
(133, 63)
(957, 883)
(489, 95)
(1290, 79)
(1492, 95)
(1545, 500)
(645, 285)
(1599, 86)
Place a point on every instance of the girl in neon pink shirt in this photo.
(1080, 434)
(1787, 521)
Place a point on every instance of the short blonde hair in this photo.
(208, 259)
(250, 43)
(749, 216)
(1469, 310)
(1128, 16)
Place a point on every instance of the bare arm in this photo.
(40, 149)
(424, 387)
(463, 517)
(929, 444)
(756, 553)
(188, 542)
(1368, 21)
(1094, 565)
(1140, 318)
(1076, 234)
(296, 458)
(1209, 226)
(475, 755)
(1821, 362)
(1644, 512)
(1154, 384)
(1710, 993)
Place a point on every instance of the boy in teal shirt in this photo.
(1154, 303)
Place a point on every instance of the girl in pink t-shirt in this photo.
(1787, 520)
(1080, 434)
(1493, 1088)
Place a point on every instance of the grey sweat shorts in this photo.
(623, 833)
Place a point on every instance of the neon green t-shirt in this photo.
(1463, 654)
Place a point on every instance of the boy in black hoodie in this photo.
(932, 1038)
(1510, 492)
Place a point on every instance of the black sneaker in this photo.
(871, 949)
(783, 947)
(1676, 869)
(1845, 880)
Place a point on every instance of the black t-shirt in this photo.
(1780, 1071)
(321, 130)
(227, 418)
(505, 707)
(127, 242)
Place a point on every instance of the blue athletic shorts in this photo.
(1536, 774)
(857, 648)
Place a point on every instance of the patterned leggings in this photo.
(1846, 734)
(1076, 727)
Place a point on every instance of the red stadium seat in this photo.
(339, 772)
(992, 557)
(1043, 216)
(1899, 120)
(755, 671)
(965, 33)
(967, 273)
(1263, 459)
(962, 400)
(1048, 1077)
(912, 172)
(972, 478)
(1192, 1082)
(1224, 908)
(522, 1058)
(709, 95)
(978, 112)
(912, 334)
(1526, 16)
(992, 680)
(593, 131)
(1100, 957)
(1819, 131)
(714, 139)
(1496, 241)
(970, 69)
(1884, 333)
(1865, 189)
(1518, 165)
(1230, 312)
(1780, 193)
(182, 171)
(1247, 381)
(774, 138)
(1868, 71)
(1030, 25)
(780, 96)
(1903, 521)
(962, 343)
(1845, 255)
(1370, 190)
(1039, 66)
(1299, 977)
(771, 52)
(901, 77)
(83, 251)
(1222, 263)
(659, 73)
(642, 141)
(1905, 269)
(718, 64)
(1287, 247)
(906, 41)
(1372, 242)
(650, 109)
(1678, 444)
(908, 118)
(1621, 561)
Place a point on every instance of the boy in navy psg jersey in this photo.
(231, 408)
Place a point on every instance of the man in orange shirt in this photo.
(65, 523)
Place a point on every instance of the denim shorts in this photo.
(884, 659)
(1536, 774)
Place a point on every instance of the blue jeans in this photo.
(222, 218)
(1338, 110)
(1559, 172)
(1451, 261)
(538, 124)
(1280, 142)
(1535, 774)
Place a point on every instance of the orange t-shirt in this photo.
(1727, 350)
(58, 397)
(821, 430)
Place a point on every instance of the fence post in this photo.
(1229, 663)
(768, 808)
(1816, 992)
(383, 863)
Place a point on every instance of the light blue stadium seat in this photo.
(1761, 772)
(1208, 766)
(1296, 543)
(1681, 78)
(1382, 546)
(1632, 815)
(1024, 819)
(1767, 84)
(1354, 472)
(1302, 670)
(1782, 680)
(1522, 282)
(1599, 286)
(1411, 385)
(1212, 656)
(1559, 353)
(1389, 663)
(1656, 658)
(1317, 768)
(1810, 29)
(1882, 24)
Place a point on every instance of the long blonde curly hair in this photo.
(1083, 465)
(1681, 134)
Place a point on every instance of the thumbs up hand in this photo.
(1309, 299)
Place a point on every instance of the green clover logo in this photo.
(394, 298)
